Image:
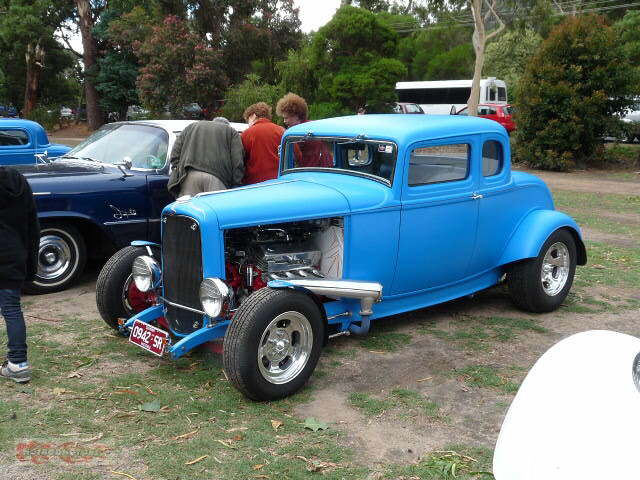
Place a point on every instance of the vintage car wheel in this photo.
(273, 343)
(61, 258)
(116, 293)
(541, 284)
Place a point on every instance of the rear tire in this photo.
(273, 344)
(114, 288)
(541, 284)
(62, 256)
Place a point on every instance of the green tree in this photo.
(628, 31)
(251, 91)
(507, 57)
(574, 85)
(353, 57)
(297, 73)
(178, 68)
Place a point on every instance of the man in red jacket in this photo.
(260, 141)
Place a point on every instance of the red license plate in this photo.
(148, 337)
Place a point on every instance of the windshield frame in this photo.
(170, 138)
(332, 138)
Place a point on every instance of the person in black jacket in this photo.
(19, 241)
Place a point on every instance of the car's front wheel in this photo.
(116, 293)
(62, 255)
(273, 343)
(541, 284)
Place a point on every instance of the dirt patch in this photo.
(588, 181)
(593, 235)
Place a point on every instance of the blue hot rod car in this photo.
(21, 140)
(370, 216)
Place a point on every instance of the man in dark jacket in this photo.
(207, 156)
(19, 241)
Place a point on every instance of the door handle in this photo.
(477, 196)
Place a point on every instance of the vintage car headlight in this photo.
(213, 294)
(146, 273)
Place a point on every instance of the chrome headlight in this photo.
(146, 272)
(213, 294)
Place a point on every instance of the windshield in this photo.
(371, 158)
(144, 145)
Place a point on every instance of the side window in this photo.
(502, 94)
(13, 138)
(492, 158)
(442, 163)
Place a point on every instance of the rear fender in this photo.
(534, 230)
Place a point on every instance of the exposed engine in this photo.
(307, 249)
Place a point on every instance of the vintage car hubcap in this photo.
(285, 347)
(555, 269)
(54, 257)
(134, 300)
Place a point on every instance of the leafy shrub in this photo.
(47, 117)
(247, 93)
(616, 155)
(569, 93)
(326, 110)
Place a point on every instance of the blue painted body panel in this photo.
(38, 142)
(425, 244)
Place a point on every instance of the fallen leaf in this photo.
(315, 425)
(59, 391)
(186, 435)
(199, 459)
(376, 351)
(276, 424)
(318, 466)
(74, 375)
(165, 409)
(599, 267)
(259, 466)
(123, 474)
(125, 391)
(260, 476)
(237, 438)
(228, 445)
(424, 379)
(237, 429)
(150, 406)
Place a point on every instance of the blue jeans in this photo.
(16, 329)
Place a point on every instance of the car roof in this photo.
(19, 122)
(402, 128)
(179, 125)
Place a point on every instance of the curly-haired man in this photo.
(311, 153)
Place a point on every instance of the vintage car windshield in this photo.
(146, 146)
(371, 158)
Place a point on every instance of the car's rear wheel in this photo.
(273, 343)
(116, 292)
(541, 284)
(62, 255)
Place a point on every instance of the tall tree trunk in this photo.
(94, 113)
(35, 62)
(479, 38)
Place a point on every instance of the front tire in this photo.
(62, 256)
(541, 284)
(273, 344)
(116, 293)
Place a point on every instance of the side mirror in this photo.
(453, 110)
(125, 164)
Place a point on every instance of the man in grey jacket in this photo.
(207, 156)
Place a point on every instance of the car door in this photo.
(501, 205)
(439, 215)
(17, 146)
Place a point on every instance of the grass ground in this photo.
(421, 398)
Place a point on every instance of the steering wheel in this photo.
(151, 161)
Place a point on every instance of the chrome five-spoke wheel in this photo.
(555, 268)
(285, 347)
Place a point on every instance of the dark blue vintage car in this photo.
(100, 196)
(370, 216)
(21, 140)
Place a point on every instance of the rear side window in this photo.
(492, 158)
(442, 163)
(484, 110)
(502, 94)
(13, 138)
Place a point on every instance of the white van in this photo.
(438, 97)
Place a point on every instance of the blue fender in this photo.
(144, 243)
(534, 230)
